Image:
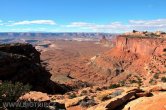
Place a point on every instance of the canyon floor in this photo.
(67, 60)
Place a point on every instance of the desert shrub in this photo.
(91, 91)
(128, 76)
(133, 81)
(83, 92)
(152, 81)
(117, 93)
(112, 86)
(164, 72)
(122, 83)
(87, 103)
(156, 76)
(98, 89)
(11, 92)
(104, 88)
(104, 97)
(72, 95)
(163, 79)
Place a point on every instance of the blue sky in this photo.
(82, 15)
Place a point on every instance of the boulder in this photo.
(158, 87)
(113, 103)
(74, 101)
(35, 96)
(156, 102)
(144, 94)
(41, 98)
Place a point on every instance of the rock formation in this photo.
(122, 98)
(21, 63)
(142, 46)
(106, 42)
(140, 60)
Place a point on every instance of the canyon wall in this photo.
(142, 45)
(21, 63)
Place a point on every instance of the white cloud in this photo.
(80, 24)
(48, 22)
(10, 21)
(1, 23)
(141, 25)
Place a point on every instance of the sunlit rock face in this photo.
(142, 45)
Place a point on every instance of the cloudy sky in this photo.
(113, 16)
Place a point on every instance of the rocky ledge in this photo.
(104, 98)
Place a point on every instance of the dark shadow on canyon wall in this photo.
(21, 63)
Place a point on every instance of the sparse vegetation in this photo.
(112, 86)
(116, 93)
(84, 92)
(128, 76)
(11, 92)
(72, 95)
(87, 103)
(152, 81)
(156, 76)
(163, 79)
(133, 81)
(104, 87)
(104, 97)
(122, 83)
(97, 89)
(164, 72)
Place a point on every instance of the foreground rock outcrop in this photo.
(157, 102)
(21, 63)
(99, 98)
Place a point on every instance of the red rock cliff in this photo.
(141, 46)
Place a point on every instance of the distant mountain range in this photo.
(8, 37)
(31, 34)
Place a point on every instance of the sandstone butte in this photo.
(133, 59)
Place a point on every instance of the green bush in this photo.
(84, 92)
(163, 79)
(112, 86)
(156, 76)
(133, 81)
(152, 81)
(72, 95)
(11, 92)
(122, 83)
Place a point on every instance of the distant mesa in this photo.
(106, 42)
